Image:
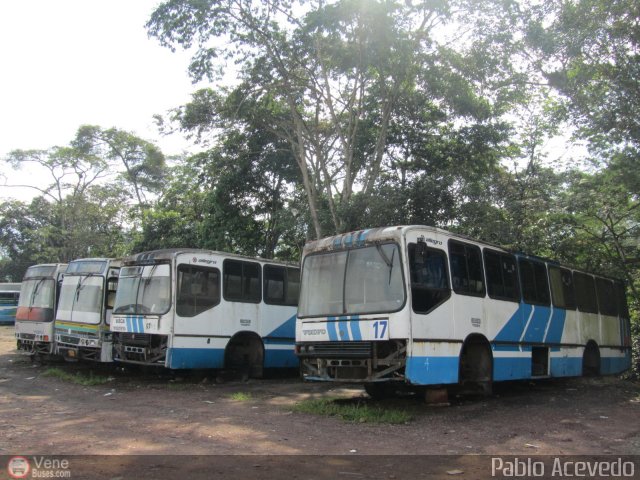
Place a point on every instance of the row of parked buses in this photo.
(387, 307)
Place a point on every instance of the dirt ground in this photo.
(163, 414)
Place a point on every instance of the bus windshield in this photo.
(144, 290)
(358, 281)
(81, 298)
(37, 298)
(37, 293)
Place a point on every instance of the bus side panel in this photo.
(610, 328)
(278, 336)
(589, 327)
(510, 360)
(196, 352)
(566, 362)
(614, 360)
(433, 363)
(511, 365)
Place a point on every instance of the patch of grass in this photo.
(241, 396)
(78, 378)
(353, 411)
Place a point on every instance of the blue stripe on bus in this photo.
(511, 368)
(542, 319)
(343, 329)
(554, 332)
(348, 240)
(355, 328)
(331, 329)
(432, 370)
(512, 330)
(566, 366)
(538, 324)
(279, 358)
(178, 358)
(286, 330)
(610, 365)
(195, 358)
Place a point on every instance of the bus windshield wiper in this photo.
(35, 291)
(387, 261)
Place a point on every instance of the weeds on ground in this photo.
(241, 396)
(353, 411)
(78, 378)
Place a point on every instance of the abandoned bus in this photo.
(37, 308)
(203, 309)
(84, 311)
(9, 295)
(421, 306)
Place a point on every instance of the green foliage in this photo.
(77, 378)
(350, 411)
(329, 81)
(241, 396)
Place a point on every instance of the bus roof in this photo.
(377, 235)
(370, 236)
(45, 270)
(171, 253)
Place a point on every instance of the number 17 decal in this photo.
(380, 328)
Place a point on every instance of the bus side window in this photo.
(585, 293)
(242, 282)
(533, 279)
(606, 297)
(562, 291)
(429, 277)
(467, 276)
(198, 290)
(502, 275)
(281, 285)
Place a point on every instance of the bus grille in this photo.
(336, 350)
(69, 340)
(129, 338)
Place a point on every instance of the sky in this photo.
(65, 63)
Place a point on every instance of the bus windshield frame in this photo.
(144, 290)
(359, 281)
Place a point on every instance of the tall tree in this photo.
(327, 77)
(141, 163)
(589, 51)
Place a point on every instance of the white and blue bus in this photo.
(9, 295)
(420, 306)
(193, 309)
(84, 311)
(37, 307)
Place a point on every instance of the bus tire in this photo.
(245, 353)
(476, 366)
(591, 360)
